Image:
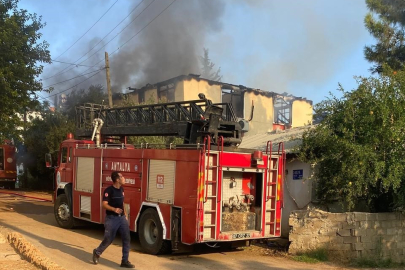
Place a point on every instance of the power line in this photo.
(119, 46)
(67, 68)
(75, 85)
(87, 30)
(72, 78)
(143, 28)
(116, 34)
(69, 63)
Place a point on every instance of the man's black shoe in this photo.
(127, 264)
(95, 257)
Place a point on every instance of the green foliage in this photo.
(385, 23)
(312, 256)
(21, 51)
(359, 145)
(44, 134)
(94, 94)
(207, 68)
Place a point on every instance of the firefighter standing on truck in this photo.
(115, 220)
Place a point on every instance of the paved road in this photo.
(72, 249)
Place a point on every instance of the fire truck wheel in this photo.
(151, 233)
(63, 212)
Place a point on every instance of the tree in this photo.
(388, 30)
(20, 53)
(359, 146)
(94, 94)
(43, 135)
(207, 68)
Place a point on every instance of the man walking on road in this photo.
(115, 220)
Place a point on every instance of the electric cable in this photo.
(67, 68)
(72, 78)
(87, 30)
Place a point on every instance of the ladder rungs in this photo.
(270, 223)
(209, 211)
(209, 226)
(271, 210)
(271, 183)
(271, 197)
(210, 182)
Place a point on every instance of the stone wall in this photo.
(348, 236)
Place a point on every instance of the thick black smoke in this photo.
(169, 46)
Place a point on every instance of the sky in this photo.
(299, 47)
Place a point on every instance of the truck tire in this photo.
(63, 212)
(151, 234)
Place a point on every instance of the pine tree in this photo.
(207, 68)
(386, 23)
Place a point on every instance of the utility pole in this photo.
(107, 73)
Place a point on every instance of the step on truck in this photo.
(206, 190)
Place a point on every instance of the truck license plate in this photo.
(240, 235)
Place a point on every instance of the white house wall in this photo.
(297, 192)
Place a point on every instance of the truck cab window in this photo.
(63, 156)
(70, 155)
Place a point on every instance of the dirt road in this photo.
(72, 249)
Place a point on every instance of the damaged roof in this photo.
(223, 86)
(291, 138)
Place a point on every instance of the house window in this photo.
(166, 92)
(235, 98)
(282, 110)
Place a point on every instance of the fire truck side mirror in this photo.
(48, 160)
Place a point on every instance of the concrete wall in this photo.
(151, 96)
(297, 193)
(348, 236)
(262, 121)
(301, 113)
(193, 87)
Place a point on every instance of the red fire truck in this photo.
(204, 191)
(8, 169)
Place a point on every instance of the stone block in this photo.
(336, 240)
(344, 232)
(366, 224)
(359, 232)
(358, 246)
(350, 239)
(340, 217)
(350, 225)
(376, 225)
(382, 216)
(386, 224)
(392, 231)
(328, 231)
(371, 216)
(369, 246)
(392, 216)
(365, 239)
(323, 239)
(390, 245)
(360, 216)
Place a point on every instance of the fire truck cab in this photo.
(202, 192)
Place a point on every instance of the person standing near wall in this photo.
(115, 220)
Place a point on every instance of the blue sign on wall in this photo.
(298, 174)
